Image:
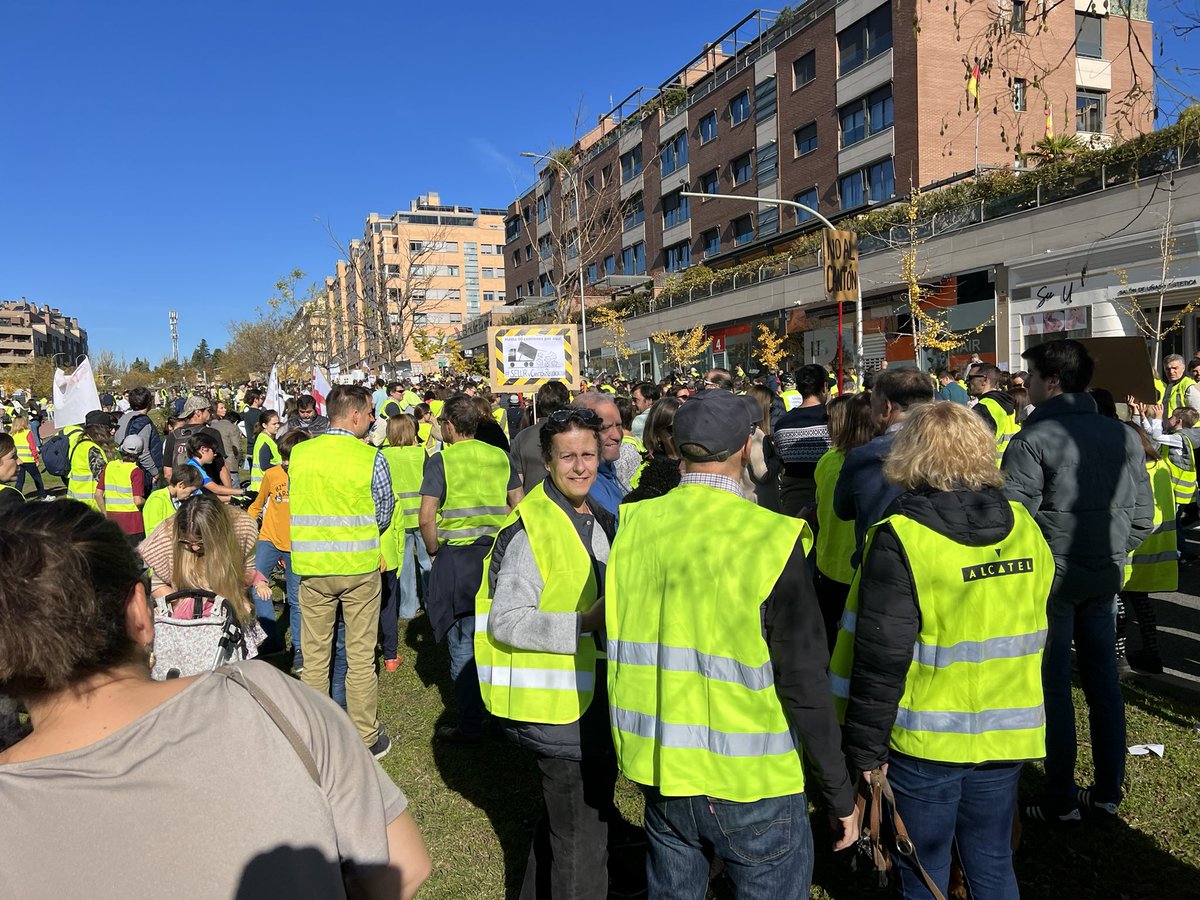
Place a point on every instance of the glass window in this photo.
(866, 39)
(593, 273)
(711, 241)
(768, 163)
(804, 70)
(543, 208)
(1019, 94)
(854, 123)
(742, 168)
(851, 190)
(633, 259)
(881, 181)
(528, 252)
(710, 183)
(678, 256)
(765, 97)
(879, 110)
(768, 221)
(631, 164)
(1089, 36)
(635, 211)
(547, 284)
(806, 139)
(1018, 16)
(809, 198)
(743, 230)
(674, 153)
(675, 209)
(1089, 111)
(739, 108)
(866, 116)
(512, 228)
(708, 128)
(610, 264)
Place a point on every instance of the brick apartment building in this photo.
(836, 104)
(28, 331)
(429, 268)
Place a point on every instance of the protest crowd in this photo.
(759, 599)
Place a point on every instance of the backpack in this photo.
(181, 436)
(57, 449)
(196, 631)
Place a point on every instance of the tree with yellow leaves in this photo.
(683, 349)
(770, 350)
(612, 319)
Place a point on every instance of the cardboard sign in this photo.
(523, 358)
(1123, 367)
(841, 265)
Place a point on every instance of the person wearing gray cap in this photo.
(197, 413)
(122, 488)
(717, 672)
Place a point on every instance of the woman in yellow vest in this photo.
(539, 612)
(8, 471)
(851, 424)
(266, 451)
(946, 624)
(27, 455)
(406, 462)
(122, 489)
(91, 449)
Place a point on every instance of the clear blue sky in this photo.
(164, 155)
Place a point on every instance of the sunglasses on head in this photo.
(584, 417)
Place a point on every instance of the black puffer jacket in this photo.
(889, 617)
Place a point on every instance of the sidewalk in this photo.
(1179, 629)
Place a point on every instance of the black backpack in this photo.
(181, 436)
(57, 449)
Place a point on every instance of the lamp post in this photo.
(858, 307)
(578, 245)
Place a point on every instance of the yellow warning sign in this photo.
(525, 357)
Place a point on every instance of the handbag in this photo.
(872, 842)
(195, 631)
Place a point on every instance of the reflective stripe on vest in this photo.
(81, 483)
(835, 537)
(333, 525)
(1154, 566)
(256, 471)
(692, 697)
(476, 491)
(1006, 425)
(24, 451)
(1183, 478)
(530, 685)
(118, 487)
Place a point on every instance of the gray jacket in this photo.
(1083, 477)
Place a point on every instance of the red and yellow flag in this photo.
(1049, 122)
(973, 83)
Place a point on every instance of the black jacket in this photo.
(1007, 403)
(889, 617)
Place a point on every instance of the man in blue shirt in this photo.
(950, 389)
(607, 489)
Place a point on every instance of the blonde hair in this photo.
(944, 446)
(219, 569)
(401, 431)
(19, 423)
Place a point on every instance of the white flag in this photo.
(75, 395)
(321, 389)
(275, 398)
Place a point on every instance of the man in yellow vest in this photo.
(716, 672)
(466, 494)
(1178, 390)
(997, 409)
(341, 500)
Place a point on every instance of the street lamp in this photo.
(858, 307)
(578, 243)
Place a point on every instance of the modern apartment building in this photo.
(836, 104)
(428, 268)
(28, 330)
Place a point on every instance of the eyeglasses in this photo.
(585, 417)
(194, 546)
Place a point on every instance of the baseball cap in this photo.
(133, 443)
(106, 400)
(713, 425)
(193, 404)
(99, 417)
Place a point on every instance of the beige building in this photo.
(28, 330)
(426, 270)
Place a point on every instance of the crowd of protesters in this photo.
(744, 594)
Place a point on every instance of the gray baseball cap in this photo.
(714, 425)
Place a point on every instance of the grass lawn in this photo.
(477, 806)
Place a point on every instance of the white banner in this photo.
(75, 395)
(321, 390)
(275, 398)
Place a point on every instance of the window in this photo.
(491, 250)
(743, 230)
(545, 247)
(809, 198)
(678, 256)
(631, 164)
(593, 273)
(866, 39)
(739, 108)
(529, 288)
(489, 273)
(711, 242)
(572, 244)
(710, 183)
(512, 228)
(674, 153)
(675, 209)
(866, 116)
(806, 139)
(490, 296)
(1019, 94)
(708, 128)
(1089, 110)
(1018, 17)
(520, 291)
(516, 257)
(606, 176)
(589, 185)
(768, 221)
(635, 211)
(764, 99)
(768, 163)
(873, 184)
(804, 70)
(525, 214)
(420, 318)
(546, 283)
(543, 208)
(572, 204)
(1089, 36)
(633, 259)
(742, 169)
(610, 264)
(528, 252)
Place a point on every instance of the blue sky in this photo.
(163, 155)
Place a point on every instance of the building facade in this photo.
(839, 105)
(28, 331)
(424, 270)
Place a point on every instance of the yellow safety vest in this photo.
(633, 442)
(1176, 395)
(476, 491)
(256, 471)
(501, 419)
(24, 451)
(334, 531)
(118, 487)
(1183, 478)
(691, 686)
(1154, 566)
(529, 685)
(425, 436)
(435, 407)
(791, 399)
(158, 508)
(973, 692)
(1160, 390)
(1006, 426)
(81, 483)
(835, 537)
(407, 465)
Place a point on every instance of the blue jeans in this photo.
(32, 470)
(766, 845)
(337, 678)
(969, 806)
(414, 547)
(1091, 624)
(266, 557)
(461, 640)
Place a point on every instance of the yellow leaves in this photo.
(770, 350)
(613, 319)
(683, 349)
